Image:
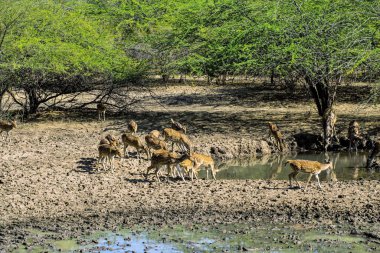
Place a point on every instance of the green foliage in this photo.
(52, 46)
(320, 41)
(54, 38)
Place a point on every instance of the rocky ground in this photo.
(48, 178)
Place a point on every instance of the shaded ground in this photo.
(47, 176)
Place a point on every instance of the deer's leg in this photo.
(148, 155)
(109, 162)
(180, 172)
(112, 163)
(213, 171)
(319, 184)
(98, 163)
(138, 153)
(104, 116)
(279, 144)
(191, 174)
(104, 163)
(195, 174)
(147, 171)
(168, 171)
(125, 150)
(295, 178)
(292, 176)
(157, 173)
(308, 180)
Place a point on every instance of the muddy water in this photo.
(347, 166)
(228, 238)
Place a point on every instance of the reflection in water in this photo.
(347, 166)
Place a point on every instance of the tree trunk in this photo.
(272, 82)
(2, 92)
(33, 101)
(182, 79)
(324, 95)
(165, 78)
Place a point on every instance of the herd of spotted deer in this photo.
(185, 161)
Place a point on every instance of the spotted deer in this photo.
(155, 133)
(279, 138)
(165, 158)
(309, 167)
(188, 168)
(109, 139)
(7, 127)
(374, 153)
(101, 109)
(354, 135)
(107, 153)
(204, 161)
(132, 126)
(176, 137)
(154, 143)
(136, 142)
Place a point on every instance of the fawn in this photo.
(108, 152)
(165, 158)
(354, 135)
(154, 143)
(134, 141)
(279, 138)
(109, 139)
(178, 138)
(205, 161)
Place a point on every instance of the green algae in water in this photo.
(66, 245)
(198, 238)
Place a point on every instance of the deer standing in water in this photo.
(205, 161)
(375, 152)
(354, 135)
(279, 138)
